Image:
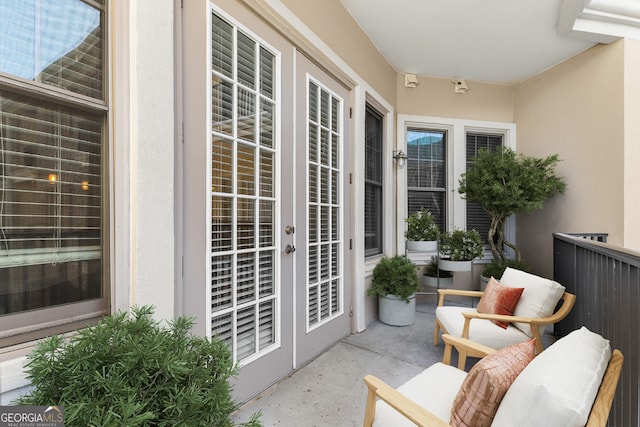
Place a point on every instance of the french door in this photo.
(265, 196)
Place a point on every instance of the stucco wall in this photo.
(436, 97)
(632, 144)
(336, 27)
(575, 110)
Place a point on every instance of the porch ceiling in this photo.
(492, 41)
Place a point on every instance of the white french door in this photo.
(264, 195)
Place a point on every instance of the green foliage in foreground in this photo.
(130, 371)
(394, 276)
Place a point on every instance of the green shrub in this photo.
(130, 371)
(421, 226)
(394, 276)
(496, 267)
(461, 245)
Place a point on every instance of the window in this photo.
(426, 172)
(440, 150)
(52, 166)
(476, 217)
(373, 183)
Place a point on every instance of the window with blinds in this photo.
(324, 277)
(477, 218)
(244, 291)
(373, 182)
(426, 172)
(52, 157)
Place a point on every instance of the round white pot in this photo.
(447, 264)
(396, 311)
(445, 282)
(422, 245)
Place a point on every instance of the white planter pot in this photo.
(447, 264)
(422, 245)
(396, 311)
(445, 282)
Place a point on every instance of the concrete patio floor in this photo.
(329, 391)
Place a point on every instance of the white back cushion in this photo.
(559, 386)
(539, 298)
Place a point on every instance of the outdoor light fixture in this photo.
(400, 156)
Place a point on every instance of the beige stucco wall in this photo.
(576, 110)
(334, 25)
(436, 97)
(632, 144)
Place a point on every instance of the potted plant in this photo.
(395, 282)
(436, 277)
(422, 231)
(496, 267)
(504, 183)
(458, 248)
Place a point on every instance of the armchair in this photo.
(534, 312)
(571, 384)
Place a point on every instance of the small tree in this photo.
(505, 183)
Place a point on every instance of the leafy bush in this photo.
(461, 245)
(130, 371)
(496, 267)
(432, 269)
(394, 276)
(421, 226)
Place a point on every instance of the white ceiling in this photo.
(492, 41)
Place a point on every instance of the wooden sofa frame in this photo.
(421, 417)
(567, 301)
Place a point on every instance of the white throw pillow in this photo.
(559, 386)
(539, 298)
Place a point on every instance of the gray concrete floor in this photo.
(329, 391)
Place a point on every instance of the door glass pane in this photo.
(243, 193)
(324, 207)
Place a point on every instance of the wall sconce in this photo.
(400, 157)
(411, 80)
(53, 178)
(460, 86)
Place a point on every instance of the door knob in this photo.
(289, 249)
(289, 229)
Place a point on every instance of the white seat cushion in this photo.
(434, 389)
(539, 298)
(559, 386)
(482, 331)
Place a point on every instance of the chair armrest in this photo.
(465, 344)
(405, 406)
(457, 292)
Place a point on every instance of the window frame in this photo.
(456, 130)
(20, 329)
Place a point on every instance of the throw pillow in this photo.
(486, 384)
(499, 299)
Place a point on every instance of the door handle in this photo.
(289, 249)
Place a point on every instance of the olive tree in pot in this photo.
(395, 282)
(504, 183)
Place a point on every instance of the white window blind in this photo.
(243, 210)
(324, 284)
(426, 172)
(477, 218)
